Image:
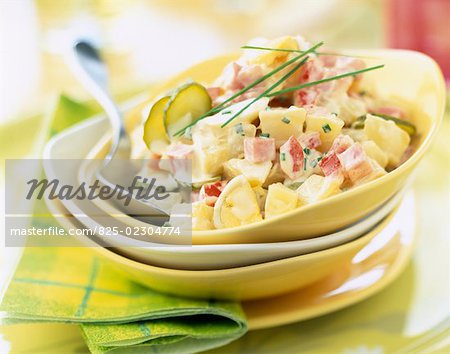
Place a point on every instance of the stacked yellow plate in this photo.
(308, 254)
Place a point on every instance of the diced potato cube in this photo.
(329, 127)
(388, 136)
(317, 188)
(377, 172)
(236, 135)
(374, 152)
(356, 134)
(281, 123)
(202, 216)
(255, 173)
(276, 174)
(280, 199)
(208, 161)
(210, 149)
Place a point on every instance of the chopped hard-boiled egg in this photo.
(317, 188)
(255, 173)
(280, 199)
(276, 174)
(261, 195)
(237, 205)
(271, 57)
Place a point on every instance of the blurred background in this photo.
(147, 40)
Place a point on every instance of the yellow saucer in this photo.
(367, 274)
(353, 280)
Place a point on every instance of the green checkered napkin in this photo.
(73, 285)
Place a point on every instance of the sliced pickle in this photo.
(403, 124)
(187, 103)
(155, 135)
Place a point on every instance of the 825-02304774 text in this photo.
(99, 231)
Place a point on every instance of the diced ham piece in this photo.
(292, 158)
(214, 92)
(179, 151)
(310, 140)
(305, 97)
(330, 164)
(311, 71)
(234, 83)
(355, 163)
(249, 74)
(328, 61)
(211, 191)
(341, 143)
(195, 196)
(259, 149)
(153, 162)
(242, 76)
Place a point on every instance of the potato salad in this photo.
(285, 125)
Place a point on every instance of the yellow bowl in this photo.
(408, 76)
(248, 282)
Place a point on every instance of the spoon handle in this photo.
(91, 71)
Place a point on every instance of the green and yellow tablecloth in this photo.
(410, 316)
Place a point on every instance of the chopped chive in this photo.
(286, 120)
(314, 163)
(319, 158)
(188, 133)
(294, 186)
(264, 135)
(221, 106)
(301, 51)
(326, 128)
(305, 160)
(268, 108)
(227, 111)
(267, 91)
(306, 151)
(283, 156)
(312, 83)
(239, 128)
